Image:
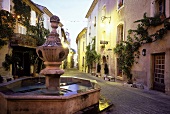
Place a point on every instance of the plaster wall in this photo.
(5, 5)
(143, 70)
(92, 26)
(81, 55)
(107, 30)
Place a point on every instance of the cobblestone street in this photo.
(128, 100)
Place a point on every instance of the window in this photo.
(120, 3)
(89, 30)
(10, 8)
(95, 21)
(21, 29)
(119, 39)
(120, 33)
(83, 62)
(104, 59)
(160, 7)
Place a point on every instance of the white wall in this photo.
(6, 5)
(91, 22)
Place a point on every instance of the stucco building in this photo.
(114, 18)
(26, 37)
(81, 47)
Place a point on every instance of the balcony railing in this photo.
(22, 40)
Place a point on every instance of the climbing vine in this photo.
(7, 23)
(37, 32)
(91, 54)
(128, 51)
(23, 11)
(22, 14)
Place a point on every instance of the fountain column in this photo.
(52, 53)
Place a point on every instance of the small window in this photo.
(95, 21)
(89, 30)
(120, 33)
(160, 7)
(21, 29)
(83, 62)
(120, 3)
(10, 8)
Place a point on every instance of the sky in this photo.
(71, 13)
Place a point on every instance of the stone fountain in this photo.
(55, 94)
(53, 53)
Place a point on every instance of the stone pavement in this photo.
(128, 100)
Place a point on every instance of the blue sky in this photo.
(71, 13)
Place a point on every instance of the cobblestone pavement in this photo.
(128, 100)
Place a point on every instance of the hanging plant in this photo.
(127, 51)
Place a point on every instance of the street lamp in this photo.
(144, 52)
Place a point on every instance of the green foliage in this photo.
(7, 23)
(127, 51)
(7, 26)
(10, 59)
(91, 54)
(23, 10)
(38, 32)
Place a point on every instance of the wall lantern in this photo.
(107, 57)
(104, 17)
(144, 52)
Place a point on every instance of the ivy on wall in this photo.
(128, 51)
(37, 32)
(23, 10)
(91, 55)
(7, 23)
(7, 26)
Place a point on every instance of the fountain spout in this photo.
(52, 53)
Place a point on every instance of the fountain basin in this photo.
(25, 96)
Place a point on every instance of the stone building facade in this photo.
(114, 19)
